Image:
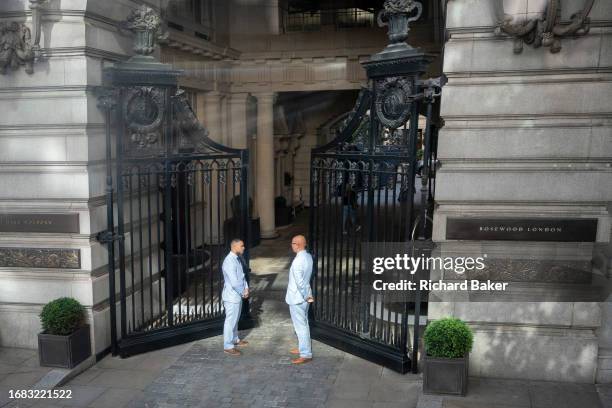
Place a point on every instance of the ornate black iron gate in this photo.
(180, 198)
(363, 190)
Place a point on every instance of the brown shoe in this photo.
(232, 352)
(295, 351)
(301, 360)
(242, 343)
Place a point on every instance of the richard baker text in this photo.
(425, 284)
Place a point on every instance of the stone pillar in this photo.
(225, 120)
(265, 163)
(213, 120)
(212, 115)
(200, 103)
(238, 122)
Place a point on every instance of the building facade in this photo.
(526, 135)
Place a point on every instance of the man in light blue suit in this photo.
(299, 296)
(235, 289)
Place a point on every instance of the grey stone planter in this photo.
(64, 351)
(445, 375)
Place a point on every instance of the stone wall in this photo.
(52, 143)
(526, 135)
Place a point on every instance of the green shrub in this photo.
(448, 338)
(62, 316)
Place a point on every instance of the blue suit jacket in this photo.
(233, 276)
(300, 272)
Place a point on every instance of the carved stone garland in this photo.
(16, 46)
(545, 31)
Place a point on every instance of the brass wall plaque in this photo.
(522, 229)
(40, 258)
(66, 223)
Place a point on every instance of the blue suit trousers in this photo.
(230, 327)
(299, 317)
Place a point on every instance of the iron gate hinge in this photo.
(107, 237)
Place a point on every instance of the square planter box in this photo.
(445, 375)
(64, 351)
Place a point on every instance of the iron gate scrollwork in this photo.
(374, 158)
(180, 198)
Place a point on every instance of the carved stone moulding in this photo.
(543, 28)
(40, 258)
(530, 270)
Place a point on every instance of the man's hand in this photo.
(245, 294)
(310, 299)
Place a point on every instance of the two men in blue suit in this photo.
(235, 289)
(299, 296)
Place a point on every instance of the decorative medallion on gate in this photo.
(393, 99)
(144, 112)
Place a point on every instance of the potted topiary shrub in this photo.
(65, 340)
(448, 343)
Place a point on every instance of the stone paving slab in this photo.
(489, 393)
(605, 395)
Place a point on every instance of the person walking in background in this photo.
(235, 288)
(299, 296)
(349, 208)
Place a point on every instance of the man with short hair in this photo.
(235, 289)
(299, 296)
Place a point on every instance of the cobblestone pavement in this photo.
(263, 376)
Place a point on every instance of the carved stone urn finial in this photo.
(146, 24)
(396, 15)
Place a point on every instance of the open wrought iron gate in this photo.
(375, 154)
(180, 199)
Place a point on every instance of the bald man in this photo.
(235, 289)
(299, 296)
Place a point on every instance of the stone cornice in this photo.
(82, 51)
(494, 166)
(522, 116)
(488, 31)
(202, 48)
(544, 75)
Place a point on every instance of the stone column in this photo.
(265, 163)
(213, 120)
(238, 123)
(200, 103)
(225, 120)
(212, 115)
